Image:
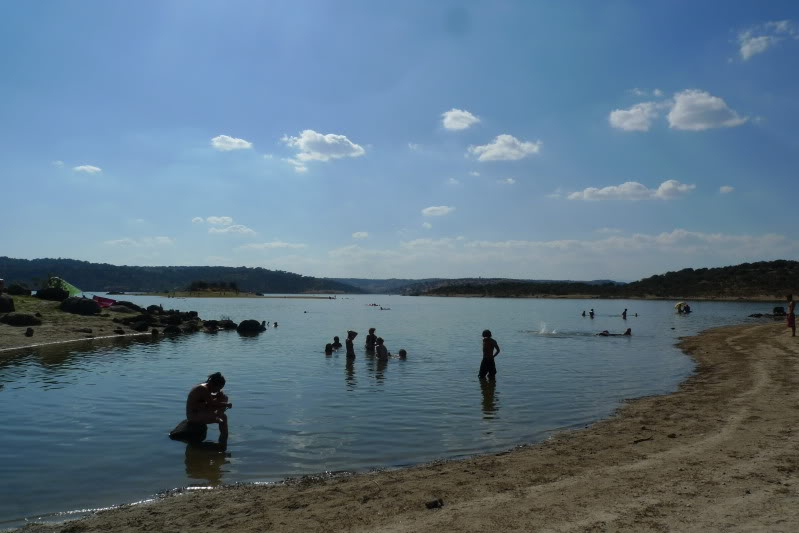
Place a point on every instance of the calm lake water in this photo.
(85, 425)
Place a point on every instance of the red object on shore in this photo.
(104, 302)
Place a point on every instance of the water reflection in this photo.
(490, 404)
(349, 373)
(382, 365)
(204, 460)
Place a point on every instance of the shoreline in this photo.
(717, 454)
(761, 298)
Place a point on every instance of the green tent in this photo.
(59, 283)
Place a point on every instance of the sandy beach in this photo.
(720, 454)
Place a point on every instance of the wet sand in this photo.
(720, 454)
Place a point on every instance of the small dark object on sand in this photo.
(29, 332)
(435, 504)
(119, 331)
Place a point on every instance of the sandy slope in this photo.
(719, 455)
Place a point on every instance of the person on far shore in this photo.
(624, 315)
(371, 340)
(791, 317)
(336, 343)
(490, 351)
(381, 349)
(206, 404)
(350, 348)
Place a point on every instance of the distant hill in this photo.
(383, 286)
(101, 277)
(765, 279)
(420, 286)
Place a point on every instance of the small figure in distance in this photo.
(791, 316)
(275, 324)
(591, 313)
(207, 403)
(627, 333)
(328, 349)
(490, 351)
(336, 343)
(402, 353)
(603, 333)
(350, 348)
(382, 351)
(583, 312)
(686, 309)
(624, 314)
(371, 339)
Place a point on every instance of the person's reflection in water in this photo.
(380, 371)
(350, 373)
(204, 460)
(490, 405)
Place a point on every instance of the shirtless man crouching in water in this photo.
(206, 404)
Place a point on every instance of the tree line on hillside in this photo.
(104, 277)
(771, 279)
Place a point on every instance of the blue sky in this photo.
(555, 140)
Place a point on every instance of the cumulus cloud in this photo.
(58, 164)
(637, 118)
(645, 93)
(632, 190)
(414, 147)
(272, 245)
(220, 221)
(226, 143)
(453, 181)
(726, 189)
(88, 169)
(437, 210)
(313, 146)
(458, 119)
(698, 110)
(360, 235)
(197, 220)
(507, 181)
(474, 173)
(427, 225)
(758, 39)
(143, 242)
(505, 148)
(235, 228)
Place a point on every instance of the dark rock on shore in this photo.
(228, 324)
(189, 431)
(29, 332)
(80, 306)
(172, 330)
(131, 305)
(18, 290)
(20, 319)
(6, 304)
(250, 327)
(118, 308)
(52, 294)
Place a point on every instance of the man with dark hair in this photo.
(490, 351)
(206, 403)
(348, 343)
(791, 314)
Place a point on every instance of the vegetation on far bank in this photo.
(764, 279)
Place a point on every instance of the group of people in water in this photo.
(373, 345)
(606, 333)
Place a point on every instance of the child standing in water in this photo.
(348, 343)
(490, 351)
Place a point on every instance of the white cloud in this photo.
(760, 38)
(698, 110)
(458, 119)
(637, 118)
(225, 143)
(269, 156)
(427, 225)
(474, 173)
(58, 164)
(726, 189)
(313, 146)
(453, 181)
(88, 169)
(632, 190)
(197, 220)
(645, 93)
(143, 242)
(272, 245)
(437, 210)
(236, 228)
(505, 148)
(608, 230)
(360, 235)
(413, 147)
(507, 181)
(220, 221)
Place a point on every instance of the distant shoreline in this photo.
(196, 294)
(760, 298)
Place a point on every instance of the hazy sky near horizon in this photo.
(579, 140)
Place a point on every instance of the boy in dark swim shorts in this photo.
(490, 351)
